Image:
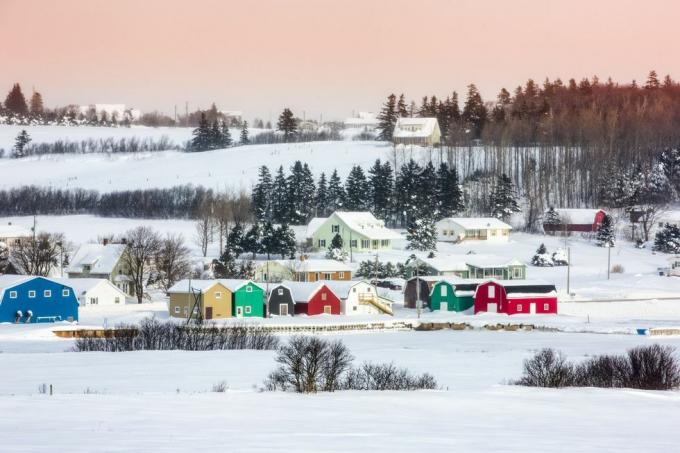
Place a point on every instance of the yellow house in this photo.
(209, 297)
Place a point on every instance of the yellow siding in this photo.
(182, 303)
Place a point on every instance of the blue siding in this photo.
(55, 307)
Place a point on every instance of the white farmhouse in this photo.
(417, 131)
(360, 231)
(359, 298)
(458, 229)
(95, 291)
(12, 235)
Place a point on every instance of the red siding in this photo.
(316, 304)
(483, 299)
(578, 227)
(512, 306)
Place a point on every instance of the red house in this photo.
(313, 298)
(574, 220)
(514, 297)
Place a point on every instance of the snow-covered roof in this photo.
(365, 223)
(442, 264)
(14, 231)
(362, 119)
(415, 127)
(314, 225)
(342, 288)
(477, 223)
(83, 285)
(519, 295)
(310, 265)
(302, 291)
(101, 258)
(578, 216)
(487, 261)
(182, 286)
(235, 284)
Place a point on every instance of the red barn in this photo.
(516, 297)
(575, 220)
(313, 298)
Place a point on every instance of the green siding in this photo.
(244, 298)
(326, 233)
(449, 301)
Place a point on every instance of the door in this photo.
(491, 308)
(532, 308)
(208, 312)
(239, 312)
(327, 309)
(283, 309)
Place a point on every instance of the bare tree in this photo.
(172, 261)
(143, 246)
(649, 215)
(204, 228)
(222, 215)
(39, 255)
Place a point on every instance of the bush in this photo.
(386, 376)
(220, 387)
(547, 368)
(617, 269)
(653, 367)
(608, 371)
(152, 334)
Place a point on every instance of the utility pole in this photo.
(568, 269)
(419, 303)
(609, 259)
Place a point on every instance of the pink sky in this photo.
(325, 57)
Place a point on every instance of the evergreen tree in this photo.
(37, 108)
(503, 198)
(321, 199)
(552, 218)
(421, 234)
(335, 250)
(605, 235)
(225, 140)
(652, 81)
(401, 107)
(474, 112)
(262, 195)
(667, 239)
(285, 238)
(269, 242)
(251, 240)
(20, 143)
(279, 199)
(235, 240)
(244, 134)
(356, 190)
(203, 136)
(287, 124)
(448, 192)
(15, 102)
(427, 191)
(215, 136)
(387, 119)
(542, 258)
(406, 192)
(226, 266)
(381, 185)
(301, 191)
(336, 193)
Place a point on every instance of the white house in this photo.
(417, 131)
(95, 291)
(359, 298)
(360, 231)
(102, 261)
(363, 120)
(458, 229)
(12, 235)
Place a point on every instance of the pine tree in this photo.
(262, 195)
(542, 258)
(474, 112)
(279, 199)
(20, 143)
(552, 218)
(301, 191)
(15, 102)
(269, 242)
(37, 108)
(285, 237)
(427, 191)
(448, 192)
(335, 250)
(203, 136)
(244, 140)
(652, 81)
(401, 107)
(321, 199)
(225, 140)
(215, 140)
(605, 235)
(226, 266)
(336, 193)
(381, 189)
(667, 239)
(387, 119)
(356, 190)
(235, 240)
(421, 234)
(287, 124)
(406, 192)
(503, 198)
(251, 240)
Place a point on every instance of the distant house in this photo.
(248, 299)
(360, 232)
(363, 120)
(301, 270)
(95, 291)
(447, 267)
(102, 261)
(468, 266)
(516, 297)
(30, 299)
(417, 131)
(575, 220)
(210, 298)
(12, 235)
(360, 298)
(280, 301)
(313, 298)
(459, 229)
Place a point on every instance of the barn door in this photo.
(208, 313)
(283, 309)
(327, 309)
(532, 307)
(491, 307)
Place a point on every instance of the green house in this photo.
(247, 298)
(492, 267)
(360, 232)
(447, 295)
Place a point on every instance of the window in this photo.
(354, 308)
(249, 309)
(326, 276)
(47, 293)
(335, 228)
(492, 291)
(31, 294)
(65, 292)
(385, 243)
(353, 243)
(445, 232)
(94, 301)
(519, 307)
(249, 289)
(493, 232)
(546, 307)
(12, 294)
(517, 272)
(375, 243)
(279, 292)
(354, 290)
(365, 243)
(117, 300)
(218, 295)
(176, 310)
(442, 290)
(322, 243)
(341, 275)
(323, 296)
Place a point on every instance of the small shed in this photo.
(95, 291)
(30, 299)
(452, 295)
(425, 282)
(573, 220)
(516, 297)
(247, 298)
(280, 301)
(210, 297)
(314, 298)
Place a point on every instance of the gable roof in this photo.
(309, 265)
(314, 225)
(365, 223)
(190, 285)
(478, 223)
(101, 258)
(234, 284)
(342, 288)
(486, 261)
(83, 285)
(452, 264)
(303, 291)
(578, 216)
(424, 127)
(8, 281)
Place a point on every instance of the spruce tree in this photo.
(287, 124)
(225, 136)
(406, 193)
(402, 112)
(427, 191)
(335, 249)
(226, 266)
(667, 239)
(336, 193)
(605, 235)
(356, 190)
(215, 136)
(37, 108)
(15, 102)
(541, 257)
(552, 218)
(252, 240)
(244, 140)
(203, 136)
(503, 198)
(285, 238)
(20, 143)
(235, 240)
(269, 242)
(321, 199)
(262, 195)
(279, 199)
(387, 119)
(381, 189)
(301, 191)
(474, 112)
(448, 192)
(421, 234)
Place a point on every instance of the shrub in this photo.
(220, 387)
(653, 368)
(386, 376)
(609, 371)
(617, 269)
(547, 368)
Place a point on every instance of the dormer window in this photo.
(87, 267)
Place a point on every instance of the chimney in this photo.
(105, 241)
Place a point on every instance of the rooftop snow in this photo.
(83, 285)
(14, 231)
(477, 223)
(577, 216)
(414, 127)
(101, 258)
(302, 291)
(365, 223)
(182, 286)
(310, 265)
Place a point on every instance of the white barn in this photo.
(459, 229)
(359, 298)
(417, 131)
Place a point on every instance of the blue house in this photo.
(25, 298)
